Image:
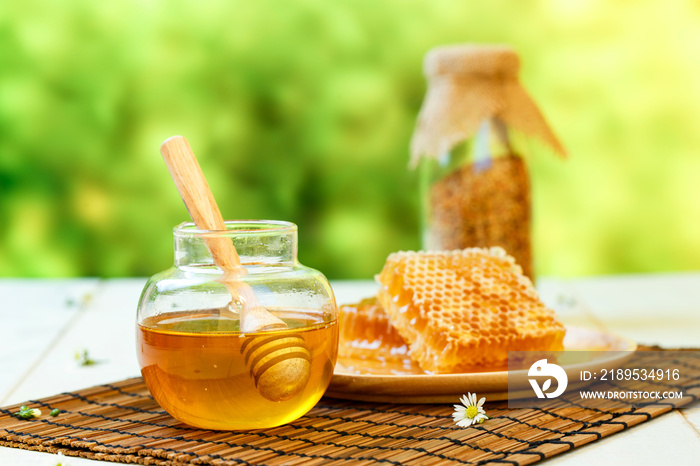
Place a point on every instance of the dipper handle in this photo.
(199, 200)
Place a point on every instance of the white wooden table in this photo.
(45, 322)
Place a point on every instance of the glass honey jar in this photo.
(469, 144)
(199, 365)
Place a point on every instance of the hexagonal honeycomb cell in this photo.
(465, 309)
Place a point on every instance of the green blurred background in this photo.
(302, 110)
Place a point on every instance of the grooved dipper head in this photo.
(280, 365)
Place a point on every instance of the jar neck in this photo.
(258, 243)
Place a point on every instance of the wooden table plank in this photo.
(17, 457)
(106, 328)
(33, 316)
(662, 309)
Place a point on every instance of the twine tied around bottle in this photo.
(468, 84)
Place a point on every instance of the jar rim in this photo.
(238, 227)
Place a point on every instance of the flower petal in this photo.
(481, 402)
(459, 412)
(465, 423)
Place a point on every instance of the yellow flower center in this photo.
(472, 411)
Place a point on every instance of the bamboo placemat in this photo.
(120, 422)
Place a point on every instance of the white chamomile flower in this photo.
(470, 412)
(56, 460)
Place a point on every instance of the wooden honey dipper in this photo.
(279, 364)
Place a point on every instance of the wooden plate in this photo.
(404, 382)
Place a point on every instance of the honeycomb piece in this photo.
(465, 309)
(365, 332)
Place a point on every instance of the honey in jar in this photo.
(194, 366)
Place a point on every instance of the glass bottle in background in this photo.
(475, 185)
